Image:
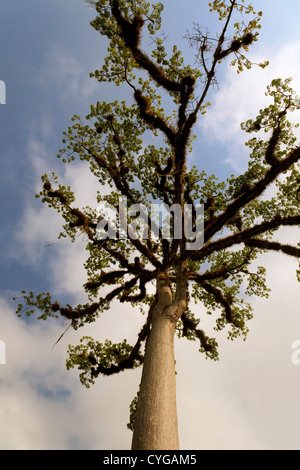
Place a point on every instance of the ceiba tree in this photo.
(140, 149)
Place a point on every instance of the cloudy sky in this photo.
(247, 400)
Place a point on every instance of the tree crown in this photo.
(139, 149)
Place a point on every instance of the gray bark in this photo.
(156, 426)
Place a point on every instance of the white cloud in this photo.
(248, 400)
(44, 406)
(67, 74)
(36, 232)
(39, 226)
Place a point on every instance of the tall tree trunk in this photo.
(156, 418)
(156, 425)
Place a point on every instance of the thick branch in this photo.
(178, 306)
(129, 362)
(156, 121)
(131, 35)
(221, 273)
(126, 297)
(106, 278)
(73, 314)
(220, 299)
(256, 191)
(268, 245)
(245, 236)
(189, 324)
(270, 155)
(134, 354)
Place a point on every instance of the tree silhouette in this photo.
(162, 275)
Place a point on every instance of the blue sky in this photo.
(247, 400)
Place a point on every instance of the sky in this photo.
(247, 400)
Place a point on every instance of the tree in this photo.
(130, 258)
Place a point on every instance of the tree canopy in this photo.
(140, 149)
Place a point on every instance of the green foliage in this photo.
(119, 64)
(132, 413)
(41, 302)
(128, 146)
(92, 358)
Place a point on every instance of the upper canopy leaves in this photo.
(140, 150)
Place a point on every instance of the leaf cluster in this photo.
(140, 151)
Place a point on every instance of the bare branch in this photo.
(274, 246)
(245, 236)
